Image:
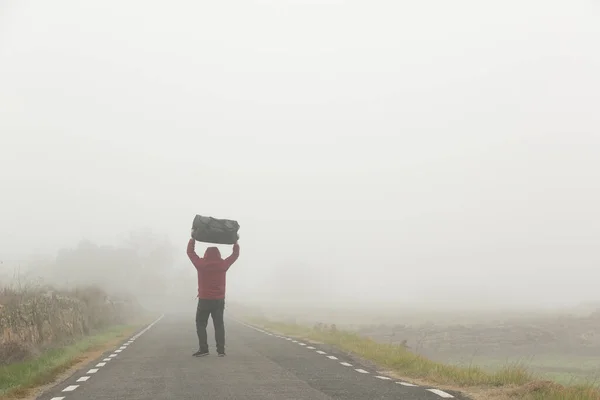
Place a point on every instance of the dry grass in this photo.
(510, 382)
(33, 319)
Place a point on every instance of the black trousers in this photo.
(207, 308)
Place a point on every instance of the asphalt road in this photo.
(157, 363)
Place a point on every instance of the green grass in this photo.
(17, 378)
(518, 381)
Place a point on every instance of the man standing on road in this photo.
(211, 293)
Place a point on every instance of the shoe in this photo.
(221, 354)
(200, 353)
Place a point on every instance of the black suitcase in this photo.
(214, 230)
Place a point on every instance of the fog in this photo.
(406, 154)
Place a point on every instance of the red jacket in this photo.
(211, 270)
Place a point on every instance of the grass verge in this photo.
(512, 381)
(18, 379)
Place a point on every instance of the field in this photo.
(565, 349)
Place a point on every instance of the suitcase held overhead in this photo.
(214, 230)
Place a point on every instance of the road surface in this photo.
(157, 363)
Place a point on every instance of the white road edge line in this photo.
(441, 393)
(146, 328)
(71, 388)
(406, 384)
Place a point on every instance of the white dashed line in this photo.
(441, 393)
(71, 388)
(438, 392)
(146, 329)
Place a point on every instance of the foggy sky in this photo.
(410, 153)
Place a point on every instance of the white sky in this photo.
(402, 151)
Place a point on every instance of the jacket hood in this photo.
(212, 254)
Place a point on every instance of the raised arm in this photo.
(234, 255)
(192, 253)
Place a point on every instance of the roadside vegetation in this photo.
(509, 382)
(43, 332)
(57, 312)
(18, 379)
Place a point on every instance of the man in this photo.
(211, 293)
